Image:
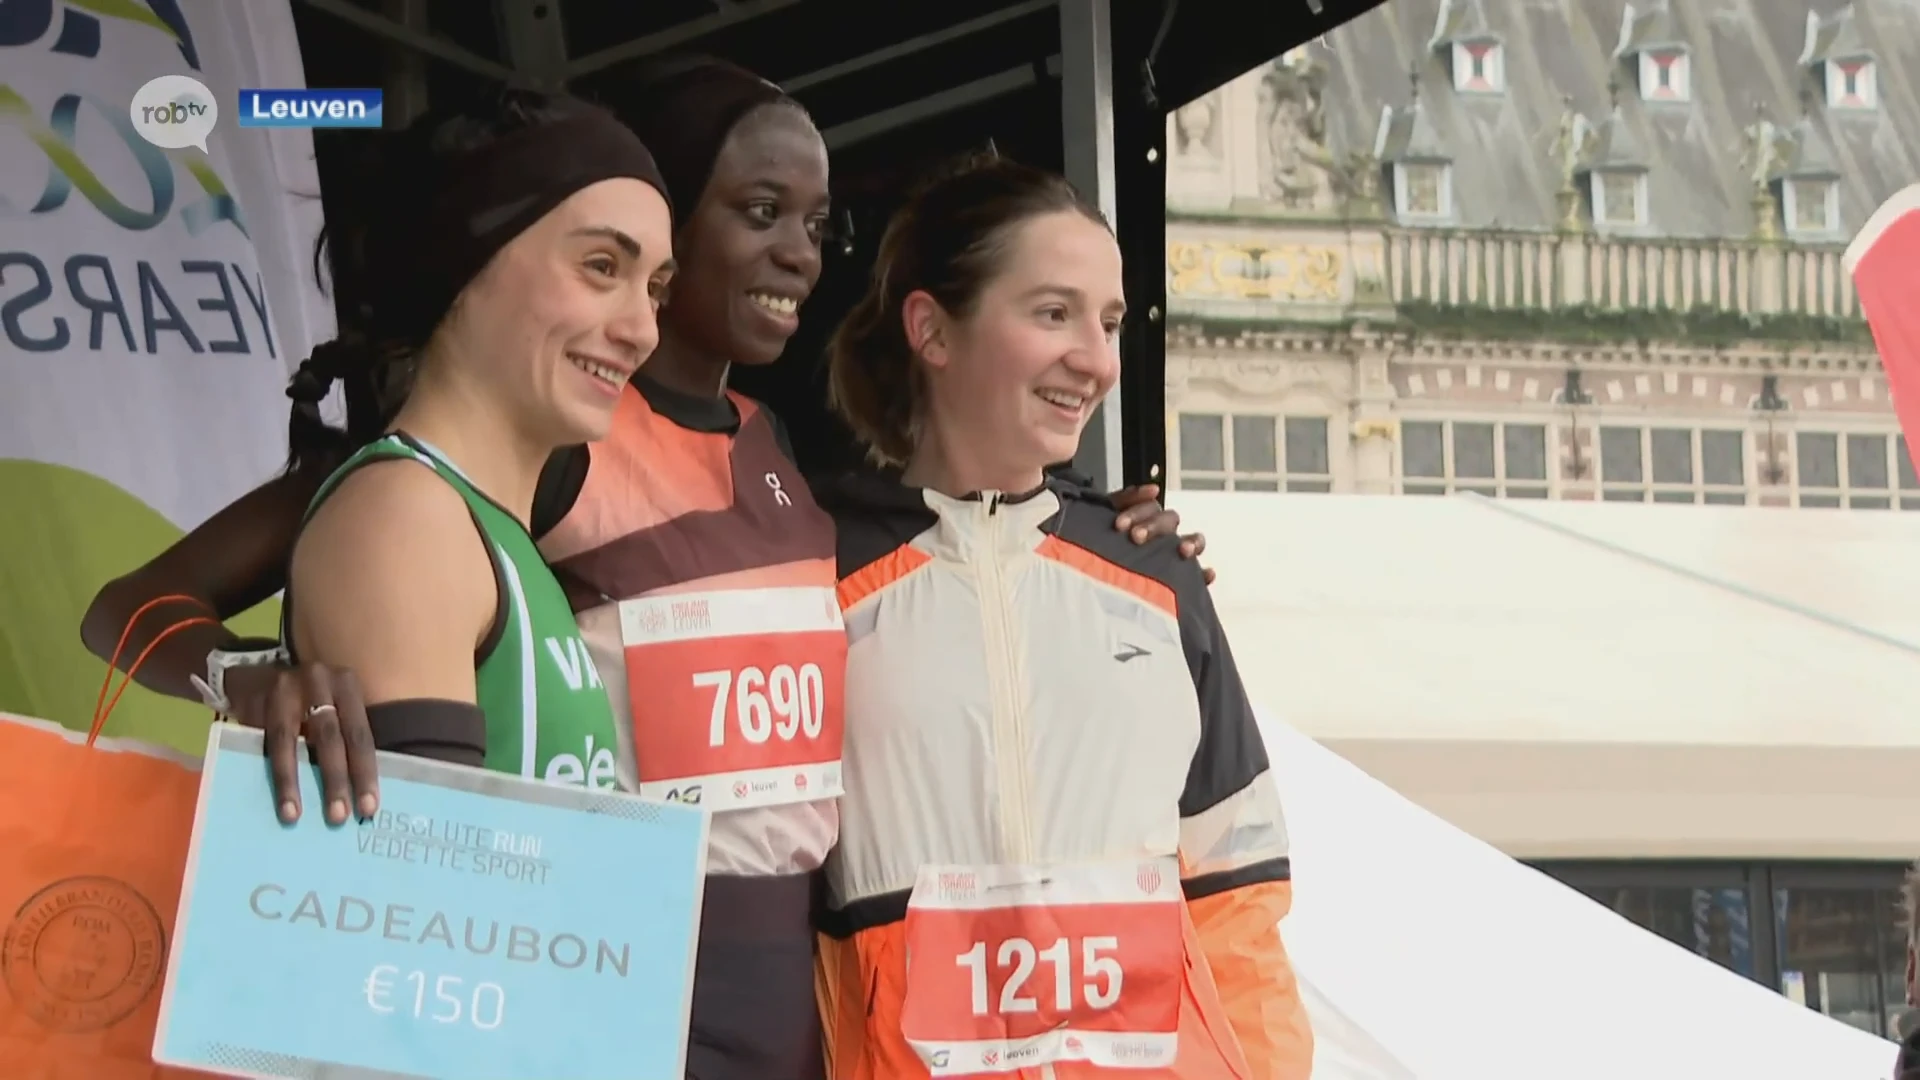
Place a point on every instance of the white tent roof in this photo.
(1593, 679)
(1426, 955)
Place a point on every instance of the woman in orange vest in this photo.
(1061, 852)
(692, 550)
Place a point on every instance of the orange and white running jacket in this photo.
(1038, 706)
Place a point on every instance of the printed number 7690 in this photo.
(782, 701)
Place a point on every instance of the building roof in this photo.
(1649, 26)
(1834, 35)
(1409, 134)
(1462, 21)
(1744, 57)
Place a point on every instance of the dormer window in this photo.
(1650, 40)
(1665, 76)
(1806, 179)
(1619, 197)
(1472, 51)
(1420, 166)
(1812, 206)
(1838, 51)
(1851, 84)
(1615, 164)
(1423, 190)
(1479, 67)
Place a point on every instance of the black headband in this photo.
(475, 204)
(686, 113)
(486, 198)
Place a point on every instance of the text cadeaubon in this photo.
(310, 108)
(405, 923)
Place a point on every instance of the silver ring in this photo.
(316, 710)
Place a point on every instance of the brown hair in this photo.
(949, 241)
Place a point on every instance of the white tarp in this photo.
(1569, 680)
(152, 303)
(1425, 954)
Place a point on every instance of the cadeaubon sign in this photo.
(135, 311)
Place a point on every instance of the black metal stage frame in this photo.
(1083, 86)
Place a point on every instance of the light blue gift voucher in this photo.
(480, 927)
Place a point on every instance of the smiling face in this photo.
(750, 251)
(566, 312)
(1012, 383)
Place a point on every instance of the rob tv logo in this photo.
(309, 108)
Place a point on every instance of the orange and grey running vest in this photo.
(703, 576)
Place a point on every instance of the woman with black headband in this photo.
(693, 513)
(509, 275)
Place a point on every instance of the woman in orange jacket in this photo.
(1061, 853)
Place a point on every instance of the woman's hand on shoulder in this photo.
(1143, 519)
(324, 705)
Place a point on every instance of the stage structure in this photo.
(1084, 86)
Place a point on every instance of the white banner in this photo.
(152, 304)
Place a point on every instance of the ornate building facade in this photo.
(1570, 249)
(1566, 249)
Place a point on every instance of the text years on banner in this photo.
(480, 925)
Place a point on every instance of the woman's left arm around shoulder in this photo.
(1144, 520)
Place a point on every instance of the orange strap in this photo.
(103, 706)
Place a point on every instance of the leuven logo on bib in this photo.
(737, 693)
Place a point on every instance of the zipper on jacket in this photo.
(1003, 681)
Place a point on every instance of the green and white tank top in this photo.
(548, 717)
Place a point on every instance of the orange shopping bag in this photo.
(93, 843)
(93, 848)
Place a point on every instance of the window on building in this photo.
(1252, 452)
(1712, 922)
(1852, 84)
(1620, 197)
(1857, 470)
(1664, 76)
(1673, 465)
(1423, 190)
(1826, 936)
(1439, 457)
(1839, 955)
(1812, 206)
(1479, 67)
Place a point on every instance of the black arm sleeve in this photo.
(1231, 752)
(449, 731)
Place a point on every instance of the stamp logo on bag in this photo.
(83, 953)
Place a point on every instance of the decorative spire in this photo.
(1613, 90)
(1806, 99)
(1413, 82)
